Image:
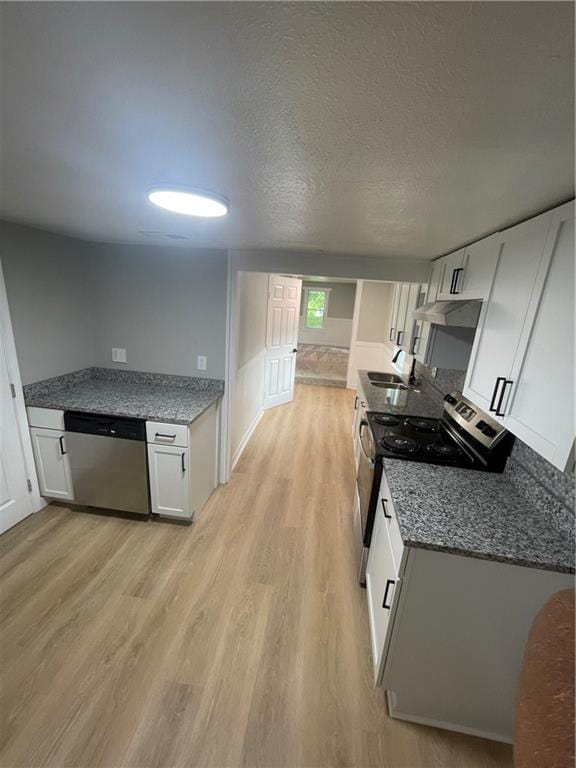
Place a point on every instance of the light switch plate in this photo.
(118, 355)
(202, 360)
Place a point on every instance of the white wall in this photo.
(374, 314)
(353, 267)
(51, 300)
(370, 348)
(164, 305)
(336, 332)
(248, 385)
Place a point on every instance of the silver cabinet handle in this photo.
(166, 437)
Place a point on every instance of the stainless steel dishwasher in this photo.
(108, 461)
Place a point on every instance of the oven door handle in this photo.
(364, 423)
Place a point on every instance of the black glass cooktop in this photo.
(418, 439)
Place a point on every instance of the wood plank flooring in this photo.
(241, 640)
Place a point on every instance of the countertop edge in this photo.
(523, 563)
(212, 398)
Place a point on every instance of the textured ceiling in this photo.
(392, 129)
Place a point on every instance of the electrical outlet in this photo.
(202, 359)
(118, 355)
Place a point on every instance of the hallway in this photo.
(241, 640)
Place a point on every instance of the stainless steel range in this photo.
(464, 437)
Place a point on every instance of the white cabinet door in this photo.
(504, 315)
(450, 264)
(540, 409)
(409, 330)
(394, 315)
(404, 294)
(478, 268)
(435, 279)
(381, 588)
(169, 481)
(52, 463)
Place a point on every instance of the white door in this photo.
(169, 468)
(15, 500)
(281, 339)
(52, 463)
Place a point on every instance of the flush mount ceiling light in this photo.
(189, 202)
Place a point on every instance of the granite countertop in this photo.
(474, 513)
(422, 400)
(153, 397)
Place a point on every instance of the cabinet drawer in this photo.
(45, 418)
(167, 434)
(387, 507)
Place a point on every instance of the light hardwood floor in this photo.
(239, 641)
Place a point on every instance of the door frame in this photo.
(7, 333)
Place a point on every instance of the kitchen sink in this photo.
(384, 378)
(389, 384)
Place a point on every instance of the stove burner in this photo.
(399, 443)
(423, 425)
(447, 451)
(386, 420)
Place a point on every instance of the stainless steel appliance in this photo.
(108, 461)
(464, 437)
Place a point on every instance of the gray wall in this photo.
(164, 305)
(341, 302)
(51, 300)
(375, 309)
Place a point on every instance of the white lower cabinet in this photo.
(448, 631)
(182, 475)
(52, 463)
(456, 638)
(382, 582)
(168, 467)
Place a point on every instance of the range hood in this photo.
(463, 314)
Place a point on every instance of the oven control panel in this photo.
(478, 424)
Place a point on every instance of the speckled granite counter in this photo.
(423, 401)
(478, 514)
(150, 396)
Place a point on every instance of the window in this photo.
(315, 308)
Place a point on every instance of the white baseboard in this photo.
(244, 442)
(397, 715)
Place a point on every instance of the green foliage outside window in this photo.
(315, 309)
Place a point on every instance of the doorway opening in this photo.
(325, 331)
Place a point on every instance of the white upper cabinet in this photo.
(504, 314)
(468, 272)
(478, 268)
(451, 269)
(394, 315)
(540, 405)
(402, 312)
(522, 364)
(435, 279)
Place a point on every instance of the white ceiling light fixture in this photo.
(189, 202)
